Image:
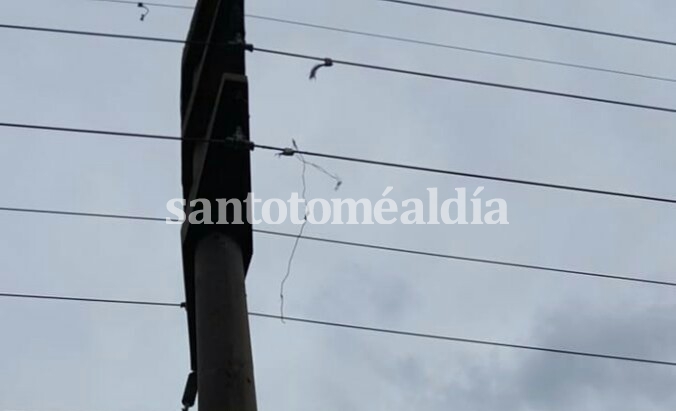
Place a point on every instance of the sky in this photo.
(62, 356)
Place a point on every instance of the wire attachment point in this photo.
(239, 41)
(287, 152)
(327, 63)
(239, 141)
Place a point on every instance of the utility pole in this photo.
(214, 106)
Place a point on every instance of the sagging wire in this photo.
(292, 152)
(295, 152)
(299, 155)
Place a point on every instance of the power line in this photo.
(369, 67)
(421, 42)
(467, 81)
(372, 247)
(101, 132)
(83, 214)
(290, 151)
(532, 22)
(388, 331)
(478, 176)
(169, 6)
(90, 300)
(471, 13)
(460, 48)
(374, 329)
(470, 259)
(465, 340)
(93, 34)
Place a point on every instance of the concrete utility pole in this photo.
(214, 106)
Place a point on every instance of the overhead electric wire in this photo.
(423, 43)
(415, 73)
(465, 340)
(460, 48)
(388, 331)
(531, 22)
(94, 131)
(82, 214)
(369, 246)
(165, 5)
(478, 176)
(90, 300)
(387, 164)
(470, 13)
(469, 259)
(467, 81)
(400, 71)
(93, 34)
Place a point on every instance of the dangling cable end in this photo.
(327, 63)
(146, 10)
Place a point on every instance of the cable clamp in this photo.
(288, 152)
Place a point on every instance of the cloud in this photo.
(525, 381)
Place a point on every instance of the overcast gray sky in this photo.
(79, 357)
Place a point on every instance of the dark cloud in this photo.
(524, 381)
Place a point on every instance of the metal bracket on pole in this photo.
(190, 392)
